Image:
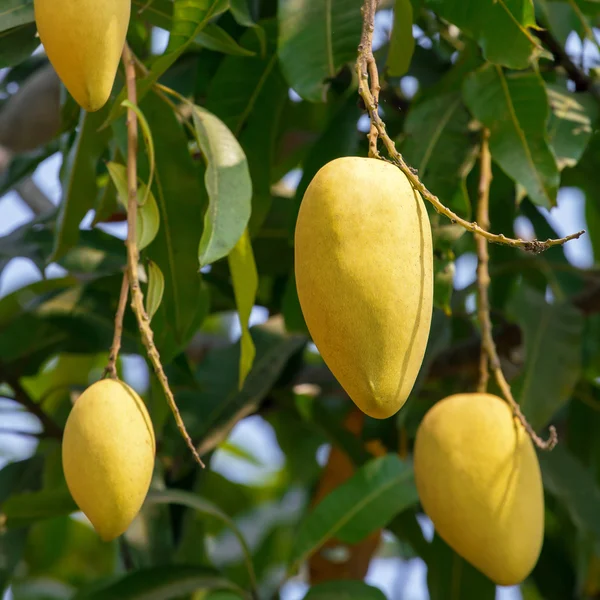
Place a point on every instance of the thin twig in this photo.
(488, 346)
(137, 297)
(483, 276)
(111, 367)
(51, 428)
(365, 66)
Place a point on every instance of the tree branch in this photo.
(368, 88)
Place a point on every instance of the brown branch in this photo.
(111, 368)
(137, 297)
(51, 428)
(488, 347)
(364, 68)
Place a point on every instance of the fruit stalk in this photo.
(489, 354)
(368, 89)
(137, 297)
(111, 368)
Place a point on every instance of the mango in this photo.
(84, 41)
(364, 275)
(108, 452)
(478, 478)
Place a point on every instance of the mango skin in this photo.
(478, 478)
(364, 275)
(84, 41)
(108, 452)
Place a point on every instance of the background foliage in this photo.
(273, 98)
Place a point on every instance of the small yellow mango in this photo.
(108, 452)
(479, 481)
(84, 41)
(364, 274)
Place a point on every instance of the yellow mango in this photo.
(479, 481)
(84, 41)
(108, 452)
(364, 274)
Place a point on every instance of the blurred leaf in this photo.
(164, 582)
(515, 109)
(245, 285)
(560, 18)
(571, 123)
(215, 38)
(78, 179)
(156, 288)
(377, 492)
(148, 218)
(241, 12)
(315, 40)
(500, 28)
(229, 187)
(157, 12)
(444, 270)
(402, 42)
(449, 576)
(16, 44)
(24, 509)
(344, 590)
(553, 336)
(15, 12)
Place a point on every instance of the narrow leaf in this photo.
(228, 184)
(245, 286)
(402, 42)
(14, 13)
(24, 509)
(215, 38)
(377, 492)
(156, 288)
(344, 590)
(514, 107)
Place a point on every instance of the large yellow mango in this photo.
(84, 41)
(479, 481)
(108, 452)
(364, 274)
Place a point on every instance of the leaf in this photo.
(514, 108)
(451, 576)
(344, 590)
(553, 336)
(189, 18)
(574, 486)
(148, 218)
(571, 123)
(315, 40)
(402, 42)
(156, 12)
(245, 286)
(377, 492)
(501, 27)
(217, 39)
(14, 13)
(229, 187)
(444, 269)
(159, 583)
(78, 180)
(156, 288)
(25, 509)
(17, 44)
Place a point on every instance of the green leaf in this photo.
(156, 288)
(148, 217)
(571, 123)
(159, 582)
(451, 576)
(444, 270)
(574, 486)
(25, 509)
(553, 336)
(241, 12)
(217, 39)
(344, 590)
(440, 146)
(78, 179)
(14, 13)
(315, 40)
(501, 27)
(229, 187)
(17, 44)
(156, 12)
(367, 501)
(402, 42)
(245, 286)
(514, 107)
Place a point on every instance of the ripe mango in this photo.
(479, 481)
(84, 41)
(364, 275)
(108, 452)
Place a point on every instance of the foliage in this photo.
(244, 93)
